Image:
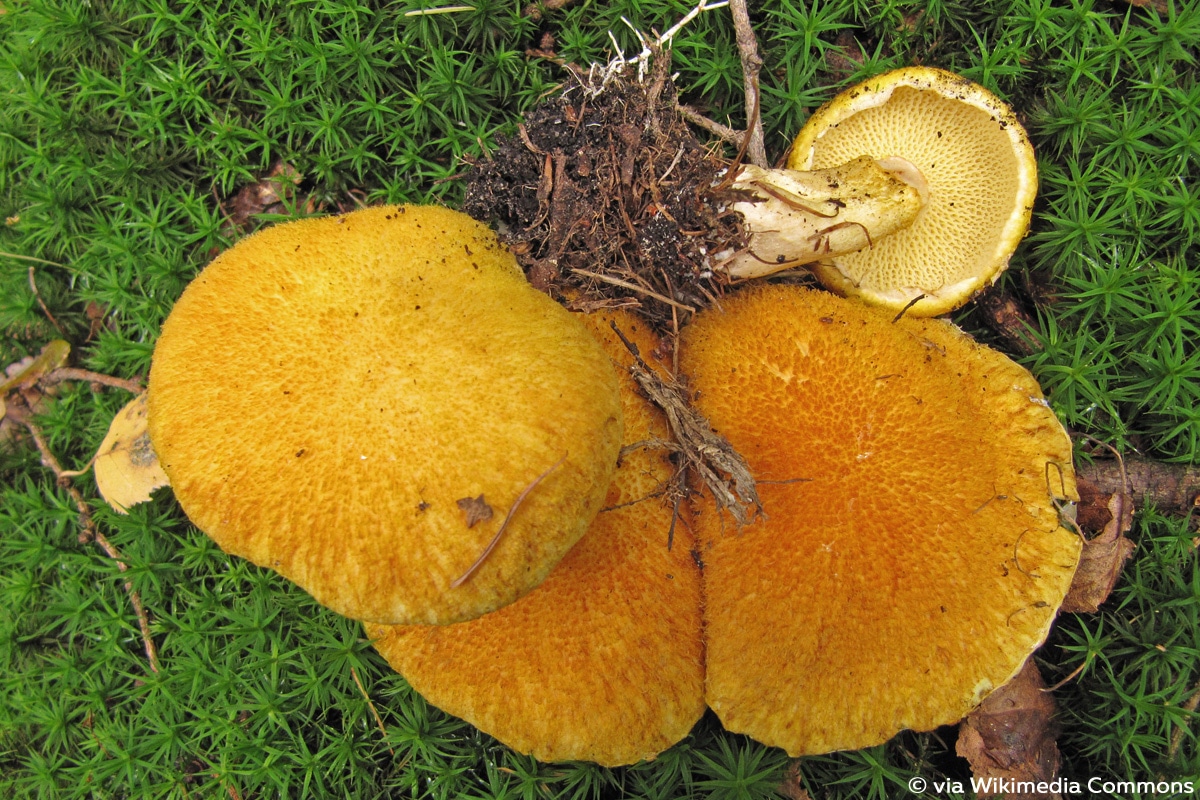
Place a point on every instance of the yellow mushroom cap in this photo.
(603, 662)
(981, 179)
(912, 556)
(326, 392)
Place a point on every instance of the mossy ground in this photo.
(123, 123)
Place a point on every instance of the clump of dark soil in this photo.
(608, 199)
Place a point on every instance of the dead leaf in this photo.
(1010, 737)
(266, 196)
(476, 510)
(127, 469)
(1103, 555)
(793, 783)
(22, 386)
(26, 372)
(97, 316)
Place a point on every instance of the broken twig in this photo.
(752, 64)
(18, 412)
(711, 455)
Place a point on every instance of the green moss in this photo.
(121, 122)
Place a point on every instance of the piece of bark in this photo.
(1103, 555)
(1004, 313)
(1011, 737)
(1172, 488)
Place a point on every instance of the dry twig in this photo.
(752, 64)
(38, 295)
(487, 551)
(371, 705)
(21, 414)
(61, 374)
(1189, 706)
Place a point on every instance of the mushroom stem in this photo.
(800, 217)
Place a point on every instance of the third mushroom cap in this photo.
(912, 557)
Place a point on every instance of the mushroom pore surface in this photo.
(326, 392)
(912, 556)
(980, 174)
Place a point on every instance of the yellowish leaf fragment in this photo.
(127, 469)
(53, 356)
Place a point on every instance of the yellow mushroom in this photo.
(604, 661)
(912, 555)
(952, 143)
(382, 409)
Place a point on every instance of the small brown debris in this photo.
(1010, 737)
(1161, 6)
(476, 510)
(1004, 313)
(267, 196)
(23, 387)
(97, 316)
(24, 374)
(1103, 555)
(721, 468)
(793, 782)
(576, 203)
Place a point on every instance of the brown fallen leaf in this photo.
(27, 372)
(22, 387)
(265, 196)
(1010, 737)
(793, 783)
(98, 320)
(476, 509)
(127, 469)
(1105, 554)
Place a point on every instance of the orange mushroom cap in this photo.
(604, 661)
(912, 556)
(345, 399)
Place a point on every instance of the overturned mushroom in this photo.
(961, 180)
(912, 556)
(797, 217)
(325, 393)
(979, 176)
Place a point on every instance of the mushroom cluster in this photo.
(481, 482)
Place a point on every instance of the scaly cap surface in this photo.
(325, 392)
(603, 662)
(912, 556)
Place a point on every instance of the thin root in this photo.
(487, 551)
